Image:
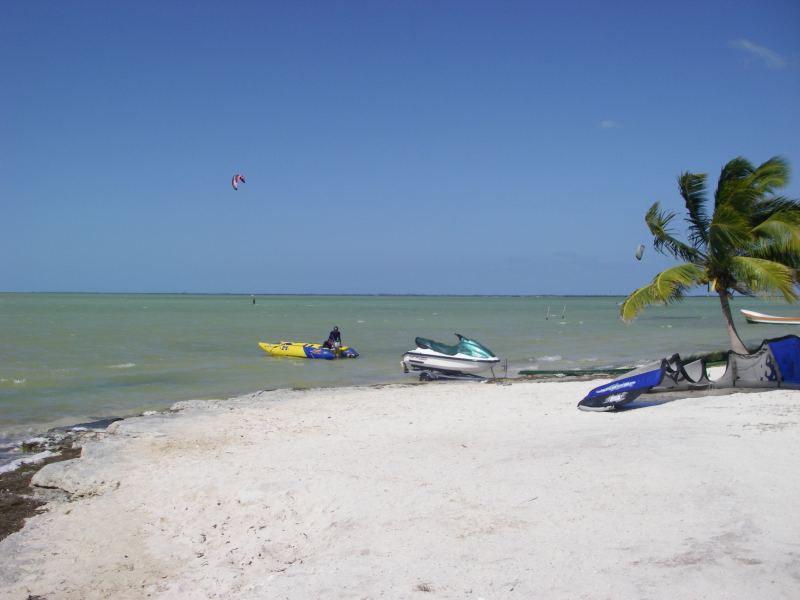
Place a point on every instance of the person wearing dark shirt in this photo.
(334, 339)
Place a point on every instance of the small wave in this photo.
(20, 381)
(122, 366)
(550, 358)
(36, 440)
(360, 321)
(26, 460)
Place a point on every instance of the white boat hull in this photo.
(423, 359)
(757, 317)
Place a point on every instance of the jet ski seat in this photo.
(436, 346)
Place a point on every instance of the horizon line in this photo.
(342, 294)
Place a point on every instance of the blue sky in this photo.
(389, 147)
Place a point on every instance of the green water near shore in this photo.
(66, 358)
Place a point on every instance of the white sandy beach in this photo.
(454, 490)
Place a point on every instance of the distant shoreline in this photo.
(340, 295)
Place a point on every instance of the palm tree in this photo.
(749, 244)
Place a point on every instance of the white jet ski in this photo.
(468, 357)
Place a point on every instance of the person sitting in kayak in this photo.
(334, 339)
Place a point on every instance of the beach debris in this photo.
(237, 179)
(639, 251)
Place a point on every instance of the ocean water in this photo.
(68, 358)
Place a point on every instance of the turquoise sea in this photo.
(68, 358)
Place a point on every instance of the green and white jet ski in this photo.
(468, 357)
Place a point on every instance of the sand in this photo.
(443, 490)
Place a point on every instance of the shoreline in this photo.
(18, 497)
(460, 489)
(16, 438)
(75, 380)
(51, 438)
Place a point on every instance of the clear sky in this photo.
(389, 146)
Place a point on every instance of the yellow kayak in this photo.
(304, 350)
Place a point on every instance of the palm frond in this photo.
(692, 188)
(731, 179)
(765, 276)
(770, 175)
(788, 257)
(777, 239)
(766, 208)
(743, 186)
(780, 229)
(658, 223)
(668, 286)
(729, 233)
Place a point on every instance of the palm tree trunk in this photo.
(736, 342)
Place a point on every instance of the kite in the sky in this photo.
(237, 179)
(639, 251)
